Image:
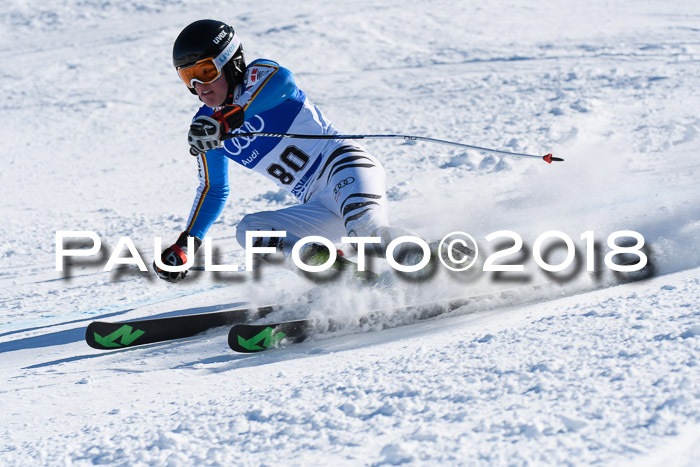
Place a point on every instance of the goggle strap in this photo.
(228, 52)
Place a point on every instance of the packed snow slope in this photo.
(589, 368)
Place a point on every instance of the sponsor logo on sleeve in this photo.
(256, 74)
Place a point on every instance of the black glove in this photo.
(204, 135)
(176, 255)
(206, 132)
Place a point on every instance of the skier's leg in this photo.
(355, 189)
(312, 218)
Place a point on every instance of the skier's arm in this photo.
(208, 204)
(267, 85)
(211, 193)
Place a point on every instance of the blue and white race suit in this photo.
(340, 187)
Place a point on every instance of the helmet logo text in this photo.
(218, 38)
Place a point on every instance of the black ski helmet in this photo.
(207, 38)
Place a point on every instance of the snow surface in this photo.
(593, 369)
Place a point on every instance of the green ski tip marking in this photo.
(269, 336)
(127, 337)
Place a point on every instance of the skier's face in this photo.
(214, 93)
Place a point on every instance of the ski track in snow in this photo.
(529, 390)
(94, 139)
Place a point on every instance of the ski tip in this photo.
(109, 336)
(548, 158)
(251, 338)
(93, 336)
(89, 337)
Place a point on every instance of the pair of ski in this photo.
(109, 336)
(244, 336)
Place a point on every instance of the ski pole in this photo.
(547, 157)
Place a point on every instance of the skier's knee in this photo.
(244, 225)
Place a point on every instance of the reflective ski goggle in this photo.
(208, 70)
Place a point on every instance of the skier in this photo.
(339, 185)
